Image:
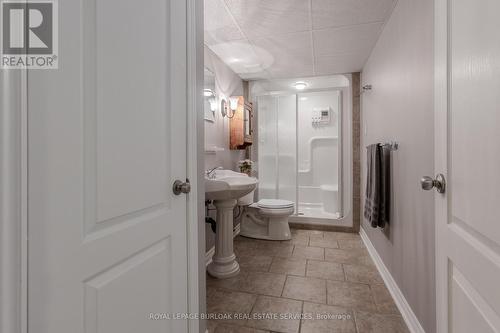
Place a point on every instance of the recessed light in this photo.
(300, 85)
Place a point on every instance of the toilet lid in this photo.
(275, 203)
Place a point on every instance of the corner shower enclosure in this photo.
(300, 151)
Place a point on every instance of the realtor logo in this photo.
(29, 34)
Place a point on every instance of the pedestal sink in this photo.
(224, 189)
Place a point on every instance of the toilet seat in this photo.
(275, 204)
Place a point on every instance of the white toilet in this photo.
(266, 219)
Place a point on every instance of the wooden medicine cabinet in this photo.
(241, 124)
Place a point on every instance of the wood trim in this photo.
(409, 316)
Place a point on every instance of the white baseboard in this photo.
(403, 306)
(210, 253)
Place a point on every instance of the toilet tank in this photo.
(246, 200)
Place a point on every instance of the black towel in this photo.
(377, 200)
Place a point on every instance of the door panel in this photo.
(106, 289)
(464, 299)
(106, 141)
(474, 116)
(467, 127)
(129, 102)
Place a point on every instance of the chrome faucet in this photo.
(210, 174)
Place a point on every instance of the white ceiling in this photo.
(271, 39)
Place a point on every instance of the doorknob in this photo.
(439, 183)
(181, 187)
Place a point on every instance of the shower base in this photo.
(316, 212)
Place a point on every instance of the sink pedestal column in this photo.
(224, 263)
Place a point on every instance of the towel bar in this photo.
(393, 145)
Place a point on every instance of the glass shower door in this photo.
(277, 147)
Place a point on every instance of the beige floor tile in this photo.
(267, 312)
(324, 242)
(297, 239)
(362, 274)
(352, 256)
(230, 284)
(367, 322)
(317, 236)
(275, 249)
(254, 263)
(351, 244)
(224, 328)
(244, 246)
(350, 295)
(308, 252)
(327, 319)
(341, 235)
(305, 232)
(365, 261)
(383, 299)
(325, 270)
(305, 289)
(262, 283)
(230, 303)
(211, 324)
(243, 239)
(376, 309)
(291, 266)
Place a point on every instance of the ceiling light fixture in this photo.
(300, 85)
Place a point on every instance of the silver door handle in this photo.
(181, 187)
(439, 183)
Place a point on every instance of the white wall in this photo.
(400, 107)
(227, 84)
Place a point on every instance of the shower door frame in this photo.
(340, 138)
(340, 135)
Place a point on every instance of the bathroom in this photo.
(290, 123)
(249, 166)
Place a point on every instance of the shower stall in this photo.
(300, 152)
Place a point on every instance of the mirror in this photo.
(209, 95)
(248, 122)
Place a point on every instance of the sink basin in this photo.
(229, 185)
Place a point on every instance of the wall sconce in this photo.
(208, 93)
(213, 104)
(233, 103)
(229, 110)
(223, 107)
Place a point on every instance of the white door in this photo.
(468, 153)
(107, 138)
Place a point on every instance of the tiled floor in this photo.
(317, 282)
